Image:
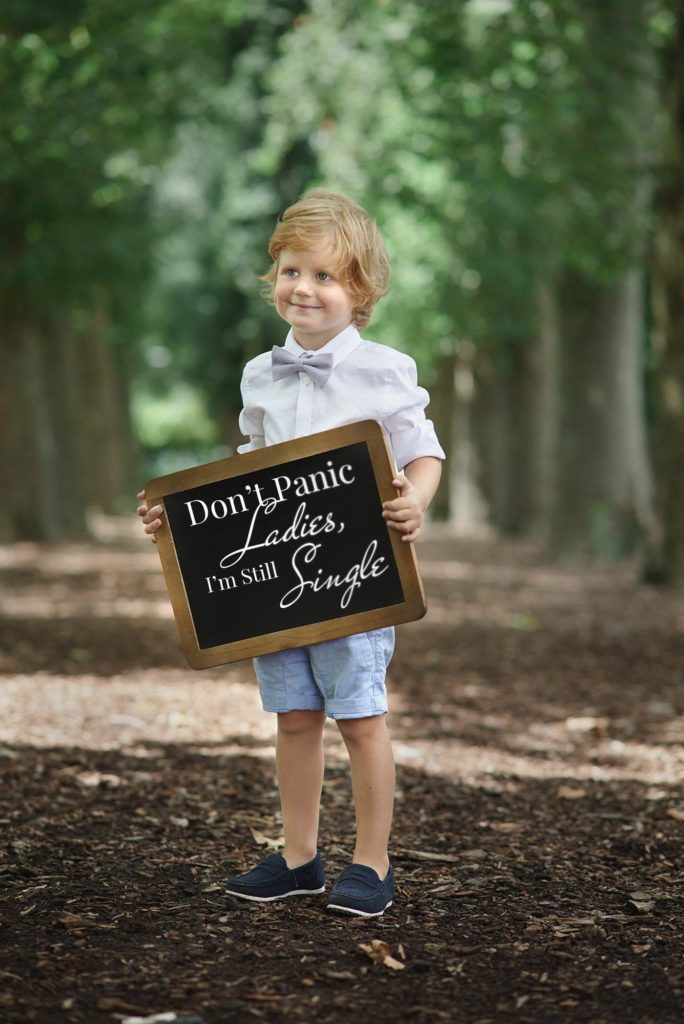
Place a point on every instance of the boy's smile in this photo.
(310, 296)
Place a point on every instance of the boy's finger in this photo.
(141, 495)
(399, 515)
(154, 512)
(402, 527)
(395, 503)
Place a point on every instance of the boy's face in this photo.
(310, 295)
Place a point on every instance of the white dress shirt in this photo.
(368, 381)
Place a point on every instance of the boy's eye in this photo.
(288, 271)
(322, 276)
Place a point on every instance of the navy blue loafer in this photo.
(272, 879)
(360, 890)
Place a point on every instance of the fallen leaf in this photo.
(114, 1003)
(92, 779)
(169, 1017)
(381, 953)
(641, 906)
(570, 792)
(338, 975)
(263, 840)
(676, 813)
(448, 891)
(597, 726)
(74, 921)
(447, 858)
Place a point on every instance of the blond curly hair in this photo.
(322, 218)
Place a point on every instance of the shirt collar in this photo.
(339, 346)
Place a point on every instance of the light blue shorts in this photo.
(343, 677)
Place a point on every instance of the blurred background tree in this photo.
(523, 161)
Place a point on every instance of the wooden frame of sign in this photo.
(285, 546)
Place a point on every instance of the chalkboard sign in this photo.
(285, 546)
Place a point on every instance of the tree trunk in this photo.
(30, 448)
(441, 411)
(66, 404)
(515, 424)
(65, 437)
(110, 469)
(467, 497)
(602, 503)
(504, 415)
(665, 557)
(544, 413)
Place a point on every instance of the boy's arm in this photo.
(416, 486)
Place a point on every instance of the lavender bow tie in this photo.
(318, 365)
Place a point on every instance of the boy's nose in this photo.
(303, 285)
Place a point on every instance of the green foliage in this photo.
(497, 143)
(177, 419)
(215, 208)
(147, 148)
(91, 95)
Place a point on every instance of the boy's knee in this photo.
(356, 730)
(293, 723)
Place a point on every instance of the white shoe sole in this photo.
(269, 899)
(359, 913)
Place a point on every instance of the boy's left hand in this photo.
(404, 513)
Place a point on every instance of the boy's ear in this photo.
(360, 316)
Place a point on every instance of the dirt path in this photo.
(538, 720)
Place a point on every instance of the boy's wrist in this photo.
(423, 474)
(423, 498)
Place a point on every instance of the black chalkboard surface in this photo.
(285, 546)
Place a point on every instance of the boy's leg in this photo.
(300, 766)
(373, 779)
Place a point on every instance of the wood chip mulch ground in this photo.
(537, 714)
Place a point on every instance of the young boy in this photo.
(329, 270)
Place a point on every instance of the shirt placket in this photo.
(304, 411)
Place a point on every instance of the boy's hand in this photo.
(150, 517)
(404, 513)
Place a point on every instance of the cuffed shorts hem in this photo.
(329, 714)
(344, 677)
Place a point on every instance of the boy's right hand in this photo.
(150, 517)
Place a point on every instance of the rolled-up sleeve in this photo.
(412, 435)
(251, 421)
